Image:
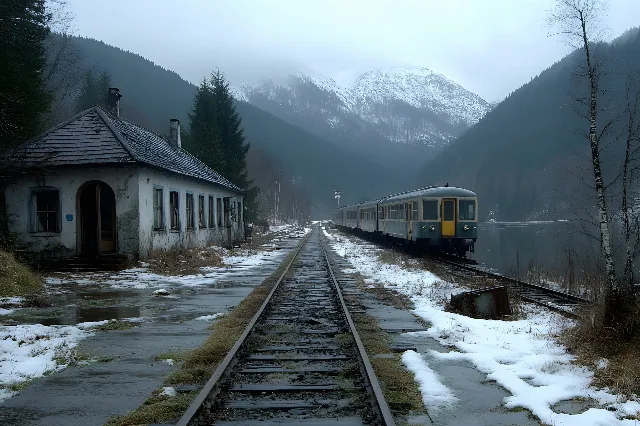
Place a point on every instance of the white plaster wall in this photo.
(199, 237)
(123, 181)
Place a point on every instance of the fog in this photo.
(491, 47)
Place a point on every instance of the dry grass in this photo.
(398, 385)
(176, 261)
(591, 342)
(17, 279)
(198, 365)
(115, 325)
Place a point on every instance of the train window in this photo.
(415, 210)
(448, 210)
(429, 209)
(467, 210)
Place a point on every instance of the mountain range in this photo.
(398, 116)
(398, 129)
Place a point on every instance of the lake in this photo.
(514, 247)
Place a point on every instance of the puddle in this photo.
(75, 315)
(100, 314)
(575, 406)
(102, 295)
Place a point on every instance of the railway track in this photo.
(557, 301)
(299, 361)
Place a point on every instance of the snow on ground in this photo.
(142, 278)
(9, 302)
(29, 351)
(434, 394)
(522, 356)
(210, 317)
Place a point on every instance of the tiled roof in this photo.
(96, 137)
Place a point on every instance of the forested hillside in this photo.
(153, 95)
(524, 157)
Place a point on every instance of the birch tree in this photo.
(578, 21)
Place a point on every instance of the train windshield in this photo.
(467, 210)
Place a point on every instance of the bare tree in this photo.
(64, 68)
(578, 21)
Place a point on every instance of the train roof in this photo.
(433, 191)
(430, 191)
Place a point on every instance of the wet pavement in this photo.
(123, 370)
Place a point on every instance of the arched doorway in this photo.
(96, 205)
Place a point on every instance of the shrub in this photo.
(17, 279)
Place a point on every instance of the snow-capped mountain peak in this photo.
(421, 88)
(404, 105)
(324, 83)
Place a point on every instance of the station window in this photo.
(47, 210)
(174, 207)
(158, 209)
(467, 210)
(190, 211)
(212, 222)
(201, 219)
(429, 209)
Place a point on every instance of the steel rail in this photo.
(525, 285)
(547, 290)
(466, 264)
(381, 407)
(198, 402)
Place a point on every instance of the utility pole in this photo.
(337, 195)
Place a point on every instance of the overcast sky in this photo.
(490, 47)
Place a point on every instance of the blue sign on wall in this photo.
(69, 217)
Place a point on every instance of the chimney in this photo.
(174, 132)
(113, 101)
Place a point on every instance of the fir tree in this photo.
(23, 94)
(234, 148)
(204, 137)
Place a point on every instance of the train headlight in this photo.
(432, 228)
(466, 227)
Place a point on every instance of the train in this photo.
(435, 218)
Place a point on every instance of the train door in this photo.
(448, 217)
(409, 220)
(385, 209)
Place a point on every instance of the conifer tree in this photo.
(234, 148)
(23, 94)
(204, 136)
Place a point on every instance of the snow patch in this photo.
(210, 317)
(29, 351)
(168, 391)
(434, 394)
